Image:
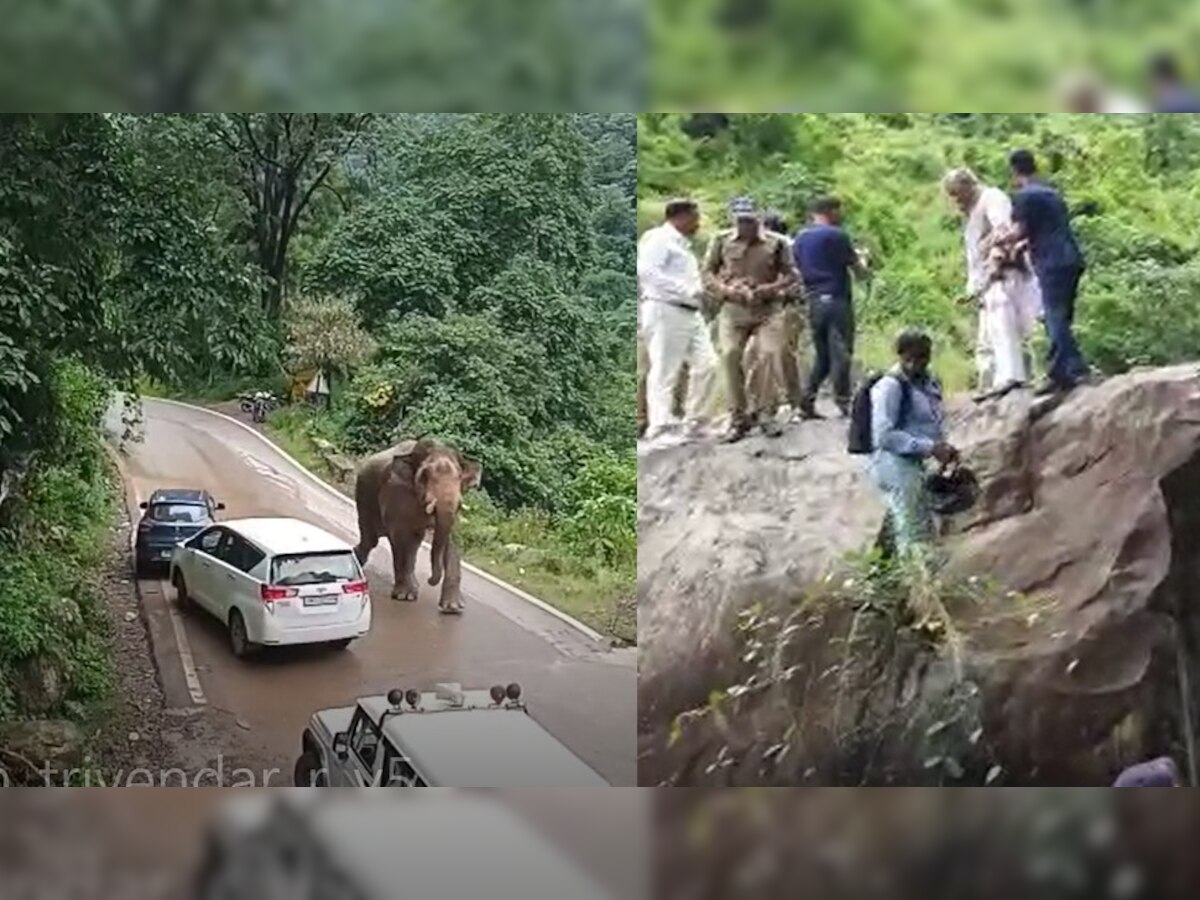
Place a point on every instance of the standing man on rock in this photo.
(766, 385)
(672, 291)
(749, 271)
(825, 258)
(1007, 300)
(1041, 218)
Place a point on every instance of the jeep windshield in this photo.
(296, 569)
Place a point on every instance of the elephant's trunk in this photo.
(443, 522)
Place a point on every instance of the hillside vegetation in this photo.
(925, 55)
(1130, 178)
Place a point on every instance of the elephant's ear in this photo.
(472, 472)
(411, 453)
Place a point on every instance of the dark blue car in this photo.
(171, 515)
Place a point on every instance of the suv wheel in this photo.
(340, 645)
(239, 640)
(308, 771)
(181, 592)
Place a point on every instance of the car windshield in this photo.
(313, 568)
(182, 513)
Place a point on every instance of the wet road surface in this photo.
(581, 690)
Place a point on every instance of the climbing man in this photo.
(825, 257)
(1041, 218)
(906, 430)
(671, 289)
(748, 270)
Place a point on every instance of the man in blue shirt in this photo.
(904, 434)
(1042, 219)
(1171, 95)
(825, 257)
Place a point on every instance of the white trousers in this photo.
(1000, 352)
(673, 336)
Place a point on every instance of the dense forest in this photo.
(167, 56)
(1129, 179)
(469, 277)
(925, 55)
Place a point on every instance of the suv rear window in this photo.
(314, 568)
(182, 513)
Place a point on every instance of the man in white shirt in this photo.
(1003, 294)
(671, 292)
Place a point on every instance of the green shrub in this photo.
(54, 538)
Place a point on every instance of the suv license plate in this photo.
(322, 600)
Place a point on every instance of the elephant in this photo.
(405, 491)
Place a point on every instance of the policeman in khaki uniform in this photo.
(749, 271)
(765, 384)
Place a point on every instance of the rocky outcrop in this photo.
(38, 753)
(1091, 506)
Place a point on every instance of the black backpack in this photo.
(860, 442)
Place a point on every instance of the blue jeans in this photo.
(1059, 288)
(908, 522)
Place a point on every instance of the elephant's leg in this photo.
(451, 601)
(404, 561)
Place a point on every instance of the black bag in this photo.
(952, 493)
(860, 442)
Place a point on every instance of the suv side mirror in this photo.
(341, 745)
(144, 505)
(219, 506)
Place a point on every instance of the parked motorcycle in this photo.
(258, 404)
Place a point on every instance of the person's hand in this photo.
(944, 453)
(762, 293)
(864, 257)
(744, 293)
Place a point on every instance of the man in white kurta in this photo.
(1006, 297)
(672, 325)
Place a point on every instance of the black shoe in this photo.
(1048, 387)
(808, 410)
(844, 408)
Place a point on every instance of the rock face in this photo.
(1093, 506)
(39, 752)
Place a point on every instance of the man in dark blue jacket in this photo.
(1043, 220)
(1171, 93)
(825, 258)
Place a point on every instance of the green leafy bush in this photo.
(54, 536)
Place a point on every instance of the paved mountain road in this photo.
(581, 690)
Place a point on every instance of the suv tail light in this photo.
(354, 587)
(270, 593)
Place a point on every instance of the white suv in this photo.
(274, 582)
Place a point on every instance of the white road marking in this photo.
(190, 675)
(185, 653)
(334, 492)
